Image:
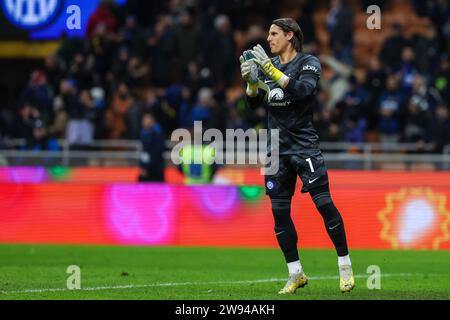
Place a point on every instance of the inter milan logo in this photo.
(276, 94)
(29, 14)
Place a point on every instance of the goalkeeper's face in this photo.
(279, 41)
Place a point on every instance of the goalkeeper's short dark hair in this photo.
(289, 24)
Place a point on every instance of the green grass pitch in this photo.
(39, 272)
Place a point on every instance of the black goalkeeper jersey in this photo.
(291, 109)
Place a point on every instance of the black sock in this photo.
(285, 229)
(335, 227)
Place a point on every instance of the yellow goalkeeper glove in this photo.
(266, 65)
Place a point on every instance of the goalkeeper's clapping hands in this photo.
(249, 73)
(266, 65)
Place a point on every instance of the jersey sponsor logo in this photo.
(28, 14)
(276, 94)
(310, 68)
(280, 104)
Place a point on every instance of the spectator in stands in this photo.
(69, 94)
(354, 129)
(184, 109)
(81, 69)
(334, 81)
(53, 71)
(58, 127)
(351, 112)
(129, 32)
(24, 122)
(69, 47)
(440, 130)
(120, 63)
(354, 102)
(160, 47)
(164, 52)
(202, 110)
(442, 79)
(417, 125)
(238, 115)
(424, 96)
(146, 12)
(374, 85)
(39, 94)
(445, 39)
(177, 96)
(80, 129)
(390, 54)
(6, 125)
(116, 114)
(427, 48)
(235, 120)
(39, 140)
(188, 40)
(306, 22)
(327, 125)
(436, 11)
(340, 28)
(103, 16)
(102, 44)
(90, 110)
(133, 119)
(151, 100)
(219, 51)
(390, 107)
(256, 35)
(152, 138)
(136, 73)
(407, 70)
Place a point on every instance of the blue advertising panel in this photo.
(43, 19)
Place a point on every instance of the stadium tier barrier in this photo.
(381, 210)
(338, 155)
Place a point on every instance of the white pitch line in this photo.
(191, 283)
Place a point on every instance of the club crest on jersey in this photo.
(270, 185)
(276, 94)
(309, 68)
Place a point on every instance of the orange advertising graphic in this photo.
(381, 210)
(415, 217)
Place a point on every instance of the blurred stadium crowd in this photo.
(178, 61)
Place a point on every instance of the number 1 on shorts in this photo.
(310, 164)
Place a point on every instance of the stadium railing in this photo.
(96, 153)
(338, 155)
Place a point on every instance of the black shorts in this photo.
(309, 166)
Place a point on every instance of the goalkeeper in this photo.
(286, 85)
